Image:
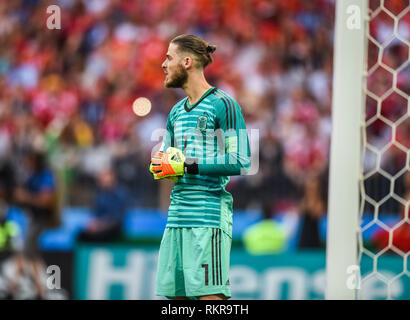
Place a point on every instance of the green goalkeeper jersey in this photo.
(211, 132)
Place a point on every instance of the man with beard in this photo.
(206, 142)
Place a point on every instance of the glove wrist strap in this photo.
(191, 166)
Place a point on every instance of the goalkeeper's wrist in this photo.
(191, 166)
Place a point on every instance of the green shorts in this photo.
(193, 262)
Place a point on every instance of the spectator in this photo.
(38, 196)
(109, 210)
(266, 236)
(7, 181)
(312, 209)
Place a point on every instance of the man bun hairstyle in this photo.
(200, 48)
(211, 48)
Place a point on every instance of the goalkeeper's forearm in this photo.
(229, 164)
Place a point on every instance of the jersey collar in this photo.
(189, 107)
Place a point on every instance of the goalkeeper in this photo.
(206, 142)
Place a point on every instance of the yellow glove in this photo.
(169, 165)
(175, 179)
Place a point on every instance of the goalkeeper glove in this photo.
(169, 164)
(174, 179)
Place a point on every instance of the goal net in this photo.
(368, 225)
(384, 224)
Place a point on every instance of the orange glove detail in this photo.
(168, 164)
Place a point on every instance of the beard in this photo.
(179, 78)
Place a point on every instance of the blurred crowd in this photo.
(69, 92)
(66, 100)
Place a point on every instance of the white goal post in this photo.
(344, 171)
(369, 176)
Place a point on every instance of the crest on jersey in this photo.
(201, 123)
